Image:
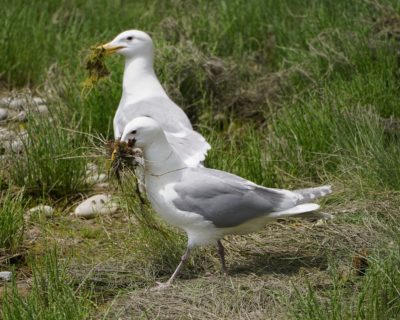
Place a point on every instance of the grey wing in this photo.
(228, 200)
(162, 109)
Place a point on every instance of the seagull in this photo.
(143, 95)
(209, 204)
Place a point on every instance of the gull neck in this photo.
(160, 158)
(139, 79)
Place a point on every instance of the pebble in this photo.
(3, 114)
(22, 103)
(16, 103)
(5, 275)
(42, 108)
(95, 205)
(12, 141)
(15, 146)
(39, 101)
(21, 116)
(42, 209)
(96, 178)
(4, 102)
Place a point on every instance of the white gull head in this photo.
(131, 44)
(144, 130)
(158, 154)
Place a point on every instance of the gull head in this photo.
(144, 130)
(130, 44)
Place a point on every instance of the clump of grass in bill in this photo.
(123, 157)
(96, 67)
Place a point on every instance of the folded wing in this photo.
(228, 200)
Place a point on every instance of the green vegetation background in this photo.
(289, 94)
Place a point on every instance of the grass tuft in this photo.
(51, 295)
(11, 220)
(53, 160)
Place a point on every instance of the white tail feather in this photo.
(301, 208)
(305, 195)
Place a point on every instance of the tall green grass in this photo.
(322, 77)
(11, 220)
(316, 38)
(54, 157)
(51, 295)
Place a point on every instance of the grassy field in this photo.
(289, 94)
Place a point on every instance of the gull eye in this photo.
(130, 38)
(133, 132)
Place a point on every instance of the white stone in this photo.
(96, 178)
(42, 108)
(21, 116)
(42, 209)
(17, 103)
(39, 100)
(13, 141)
(5, 101)
(95, 205)
(15, 146)
(3, 114)
(5, 275)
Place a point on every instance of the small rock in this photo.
(39, 101)
(5, 275)
(41, 209)
(14, 142)
(15, 146)
(16, 103)
(96, 178)
(42, 108)
(95, 205)
(4, 102)
(3, 114)
(21, 116)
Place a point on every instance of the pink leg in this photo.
(221, 252)
(176, 272)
